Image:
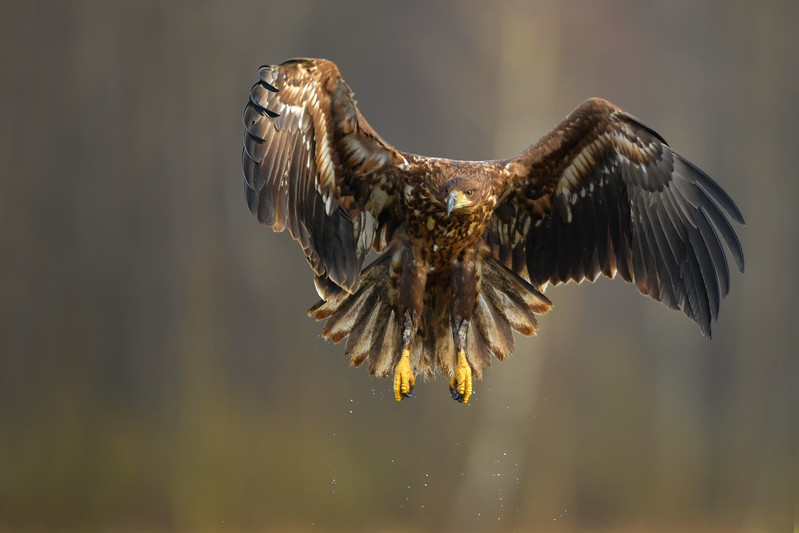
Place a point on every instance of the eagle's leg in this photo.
(403, 375)
(460, 384)
(412, 280)
(464, 282)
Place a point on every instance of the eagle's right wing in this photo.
(313, 165)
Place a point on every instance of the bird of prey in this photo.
(466, 247)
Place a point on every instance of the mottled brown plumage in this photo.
(466, 246)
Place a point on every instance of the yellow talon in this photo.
(460, 384)
(403, 377)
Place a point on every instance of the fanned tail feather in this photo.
(367, 317)
(505, 301)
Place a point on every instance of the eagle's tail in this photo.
(505, 302)
(367, 317)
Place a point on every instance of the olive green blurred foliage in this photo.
(157, 369)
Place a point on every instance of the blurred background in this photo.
(157, 368)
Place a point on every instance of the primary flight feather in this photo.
(467, 246)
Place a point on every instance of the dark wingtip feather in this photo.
(710, 186)
(252, 198)
(267, 81)
(253, 101)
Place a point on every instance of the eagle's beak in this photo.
(455, 200)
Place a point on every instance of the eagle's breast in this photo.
(442, 238)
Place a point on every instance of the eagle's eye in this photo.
(469, 192)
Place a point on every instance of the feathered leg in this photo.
(460, 384)
(464, 283)
(412, 281)
(403, 375)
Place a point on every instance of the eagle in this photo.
(465, 248)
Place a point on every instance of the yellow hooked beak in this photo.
(456, 200)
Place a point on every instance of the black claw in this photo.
(457, 396)
(408, 394)
(269, 86)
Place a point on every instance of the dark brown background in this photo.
(157, 370)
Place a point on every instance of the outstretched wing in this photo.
(604, 193)
(313, 165)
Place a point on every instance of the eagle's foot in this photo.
(403, 377)
(460, 384)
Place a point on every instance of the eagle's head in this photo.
(463, 193)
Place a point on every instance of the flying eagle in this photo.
(466, 247)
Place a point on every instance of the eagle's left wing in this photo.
(603, 193)
(312, 164)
